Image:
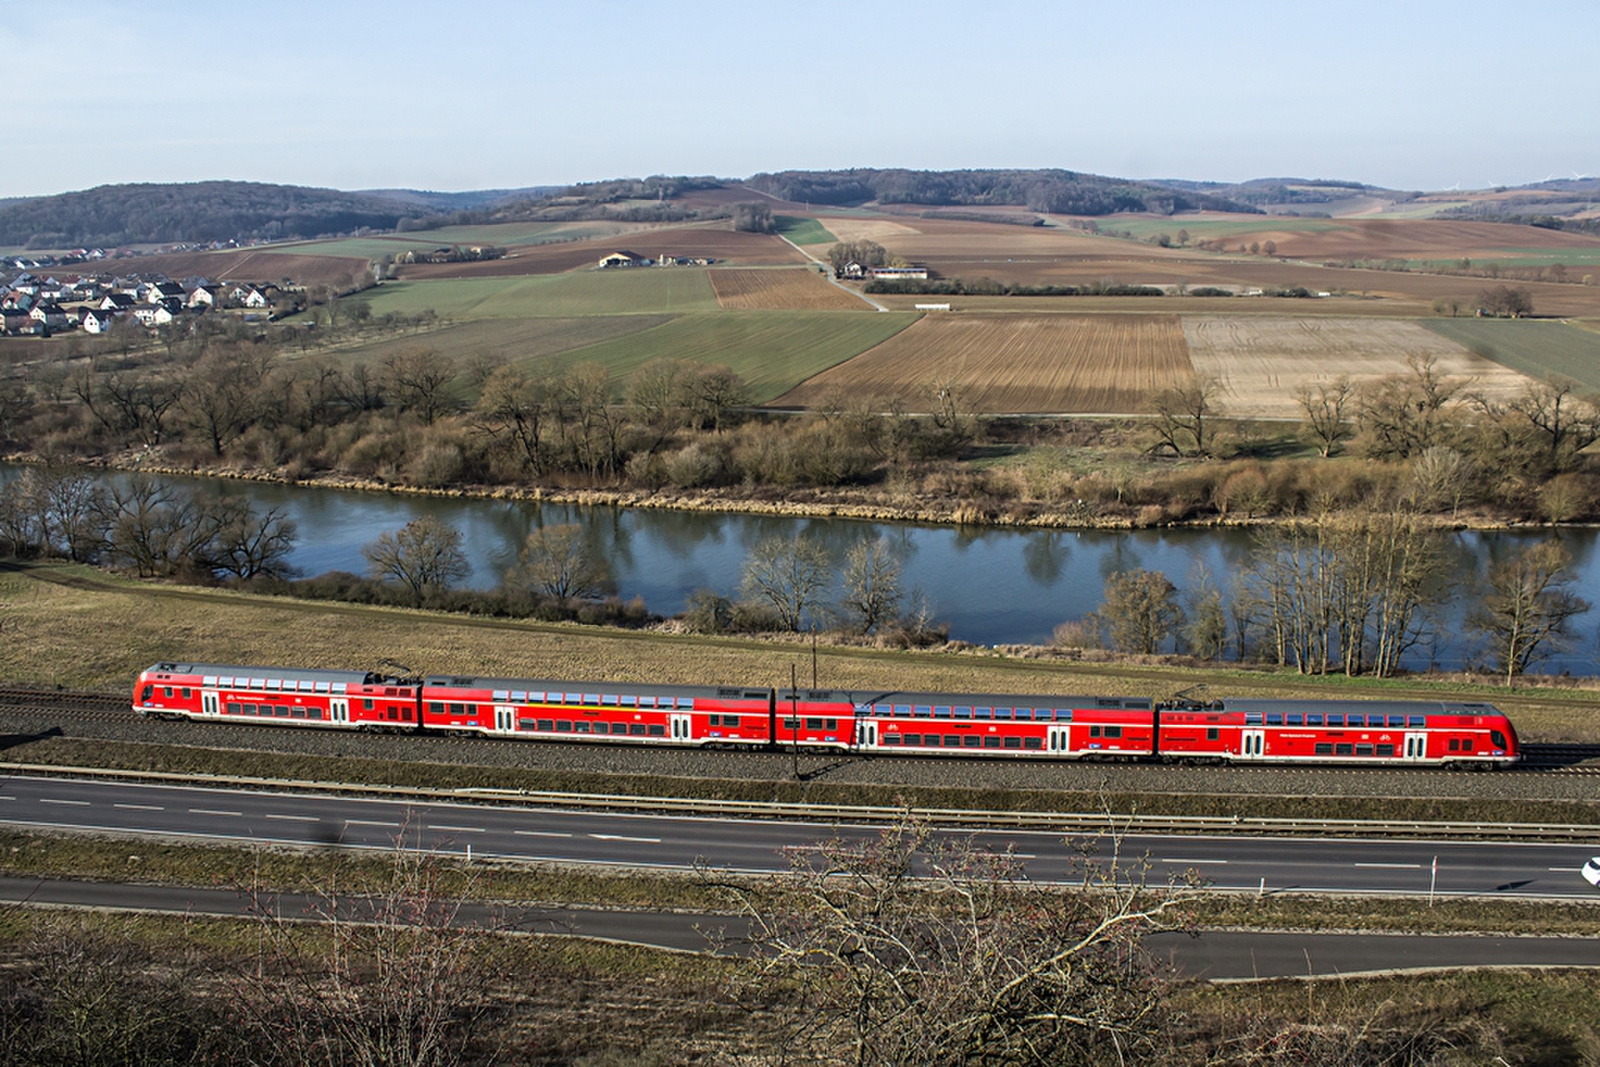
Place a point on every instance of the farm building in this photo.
(623, 258)
(896, 273)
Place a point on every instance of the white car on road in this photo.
(1591, 872)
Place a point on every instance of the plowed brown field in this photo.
(1262, 361)
(1015, 363)
(781, 290)
(250, 265)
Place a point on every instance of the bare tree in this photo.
(871, 584)
(1525, 611)
(713, 395)
(514, 409)
(1181, 416)
(791, 574)
(1404, 415)
(247, 543)
(420, 380)
(1328, 407)
(1141, 610)
(223, 394)
(1564, 422)
(916, 948)
(560, 562)
(424, 556)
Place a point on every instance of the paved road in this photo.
(1214, 955)
(1488, 869)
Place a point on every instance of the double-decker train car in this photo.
(1373, 733)
(284, 696)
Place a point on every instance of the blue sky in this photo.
(1414, 95)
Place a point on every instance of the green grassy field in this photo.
(772, 350)
(504, 234)
(1538, 349)
(623, 292)
(501, 340)
(1211, 229)
(804, 231)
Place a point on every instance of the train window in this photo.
(1324, 749)
(367, 704)
(1094, 731)
(813, 724)
(602, 727)
(1031, 742)
(608, 701)
(209, 679)
(255, 683)
(322, 687)
(564, 725)
(1024, 713)
(281, 711)
(1335, 720)
(1466, 744)
(941, 712)
(166, 690)
(952, 740)
(971, 741)
(1417, 720)
(1313, 720)
(902, 711)
(1498, 738)
(457, 709)
(991, 741)
(791, 724)
(657, 730)
(340, 687)
(832, 724)
(1344, 749)
(274, 683)
(891, 739)
(580, 727)
(635, 729)
(1013, 742)
(963, 713)
(1455, 744)
(923, 711)
(1113, 731)
(300, 713)
(1274, 718)
(225, 683)
(1385, 750)
(913, 739)
(315, 713)
(525, 724)
(713, 720)
(518, 697)
(1002, 713)
(982, 713)
(1397, 720)
(435, 707)
(1212, 733)
(249, 709)
(1296, 720)
(233, 708)
(587, 698)
(1063, 714)
(1363, 750)
(1252, 718)
(730, 720)
(546, 724)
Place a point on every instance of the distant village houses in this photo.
(39, 307)
(624, 258)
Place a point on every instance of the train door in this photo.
(210, 702)
(339, 710)
(1252, 744)
(680, 727)
(1059, 739)
(1416, 748)
(866, 733)
(505, 718)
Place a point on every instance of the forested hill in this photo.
(197, 212)
(1054, 191)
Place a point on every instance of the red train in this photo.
(1378, 733)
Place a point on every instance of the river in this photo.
(991, 585)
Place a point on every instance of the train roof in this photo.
(567, 685)
(1381, 707)
(987, 700)
(299, 674)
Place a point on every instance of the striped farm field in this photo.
(620, 292)
(801, 289)
(1261, 362)
(1016, 363)
(1541, 349)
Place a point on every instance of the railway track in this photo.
(100, 707)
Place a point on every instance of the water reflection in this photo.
(992, 585)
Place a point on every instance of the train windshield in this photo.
(1498, 738)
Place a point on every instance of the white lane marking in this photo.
(139, 807)
(1222, 862)
(370, 822)
(540, 833)
(457, 829)
(209, 811)
(1563, 870)
(296, 818)
(54, 800)
(8, 798)
(620, 837)
(1393, 866)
